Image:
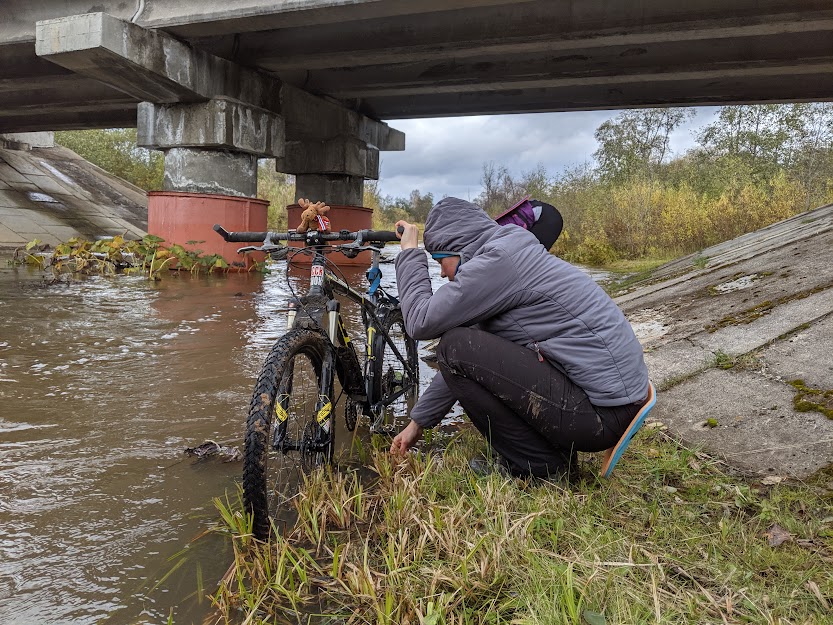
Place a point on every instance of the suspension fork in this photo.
(324, 406)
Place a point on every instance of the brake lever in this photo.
(267, 248)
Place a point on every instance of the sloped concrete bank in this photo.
(727, 331)
(52, 194)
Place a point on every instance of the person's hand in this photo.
(406, 439)
(409, 237)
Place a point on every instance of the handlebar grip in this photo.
(239, 237)
(383, 236)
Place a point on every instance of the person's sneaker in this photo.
(485, 466)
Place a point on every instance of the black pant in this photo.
(530, 412)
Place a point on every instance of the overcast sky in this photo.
(446, 156)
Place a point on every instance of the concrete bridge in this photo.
(215, 85)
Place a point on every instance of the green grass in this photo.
(672, 538)
(627, 273)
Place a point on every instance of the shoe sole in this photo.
(613, 454)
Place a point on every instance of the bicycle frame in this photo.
(375, 304)
(321, 311)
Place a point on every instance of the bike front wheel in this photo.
(290, 427)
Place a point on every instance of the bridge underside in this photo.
(407, 58)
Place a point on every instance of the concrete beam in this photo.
(154, 67)
(668, 59)
(343, 156)
(312, 118)
(36, 121)
(648, 77)
(679, 91)
(497, 32)
(212, 17)
(219, 124)
(27, 140)
(148, 65)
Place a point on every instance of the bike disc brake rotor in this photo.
(313, 450)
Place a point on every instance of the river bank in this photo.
(674, 537)
(722, 510)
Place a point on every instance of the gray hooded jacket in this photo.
(509, 285)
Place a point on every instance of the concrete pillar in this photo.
(211, 151)
(331, 188)
(213, 118)
(210, 171)
(333, 171)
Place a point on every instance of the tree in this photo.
(501, 190)
(636, 142)
(810, 148)
(279, 189)
(419, 205)
(756, 135)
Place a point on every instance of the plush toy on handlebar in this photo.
(313, 217)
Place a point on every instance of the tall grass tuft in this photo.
(672, 538)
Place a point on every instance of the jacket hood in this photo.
(457, 226)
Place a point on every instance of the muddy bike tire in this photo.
(276, 379)
(384, 358)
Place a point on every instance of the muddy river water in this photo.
(103, 383)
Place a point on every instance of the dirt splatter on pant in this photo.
(530, 412)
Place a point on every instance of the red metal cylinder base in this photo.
(180, 217)
(341, 218)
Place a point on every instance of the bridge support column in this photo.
(213, 118)
(333, 171)
(211, 151)
(346, 190)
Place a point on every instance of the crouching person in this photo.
(541, 359)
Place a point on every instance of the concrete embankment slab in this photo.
(725, 341)
(52, 194)
(756, 426)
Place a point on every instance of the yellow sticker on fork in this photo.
(370, 332)
(324, 413)
(280, 411)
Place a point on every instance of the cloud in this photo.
(446, 155)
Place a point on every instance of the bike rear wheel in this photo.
(290, 427)
(395, 383)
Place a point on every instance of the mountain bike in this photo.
(290, 427)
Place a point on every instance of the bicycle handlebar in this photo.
(374, 236)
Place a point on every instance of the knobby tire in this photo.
(261, 420)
